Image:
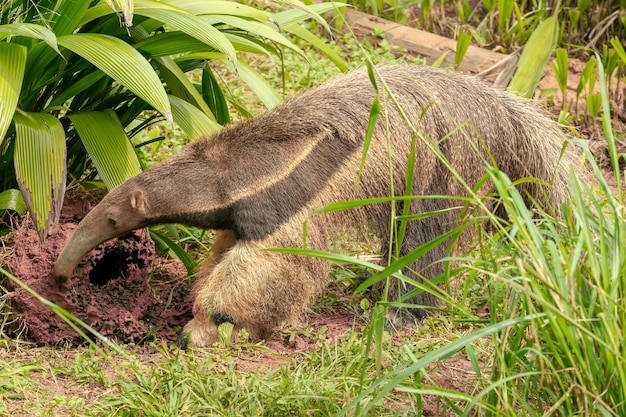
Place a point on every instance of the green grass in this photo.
(163, 381)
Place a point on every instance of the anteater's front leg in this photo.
(251, 287)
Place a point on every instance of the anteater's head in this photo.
(123, 210)
(179, 190)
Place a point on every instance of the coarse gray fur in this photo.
(257, 181)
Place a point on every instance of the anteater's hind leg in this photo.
(251, 287)
(428, 265)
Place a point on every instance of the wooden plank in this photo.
(427, 45)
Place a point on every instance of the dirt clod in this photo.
(109, 290)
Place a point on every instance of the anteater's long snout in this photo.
(94, 229)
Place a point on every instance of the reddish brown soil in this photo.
(109, 290)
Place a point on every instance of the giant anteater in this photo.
(256, 183)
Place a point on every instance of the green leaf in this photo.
(191, 119)
(308, 11)
(170, 43)
(163, 241)
(294, 16)
(123, 63)
(66, 15)
(255, 28)
(462, 43)
(77, 87)
(30, 30)
(243, 44)
(257, 83)
(619, 49)
(560, 67)
(288, 24)
(535, 56)
(588, 76)
(505, 9)
(214, 97)
(40, 160)
(439, 61)
(12, 199)
(180, 85)
(108, 146)
(194, 7)
(594, 104)
(314, 40)
(177, 43)
(12, 67)
(188, 23)
(218, 7)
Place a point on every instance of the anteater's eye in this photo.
(112, 221)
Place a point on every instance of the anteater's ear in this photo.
(137, 201)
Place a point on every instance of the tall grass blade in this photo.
(73, 321)
(406, 260)
(369, 131)
(165, 242)
(606, 124)
(381, 387)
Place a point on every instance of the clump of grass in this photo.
(556, 316)
(568, 274)
(572, 272)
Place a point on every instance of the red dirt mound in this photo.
(109, 290)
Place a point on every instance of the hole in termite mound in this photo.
(112, 265)
(116, 289)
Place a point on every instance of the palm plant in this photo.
(78, 78)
